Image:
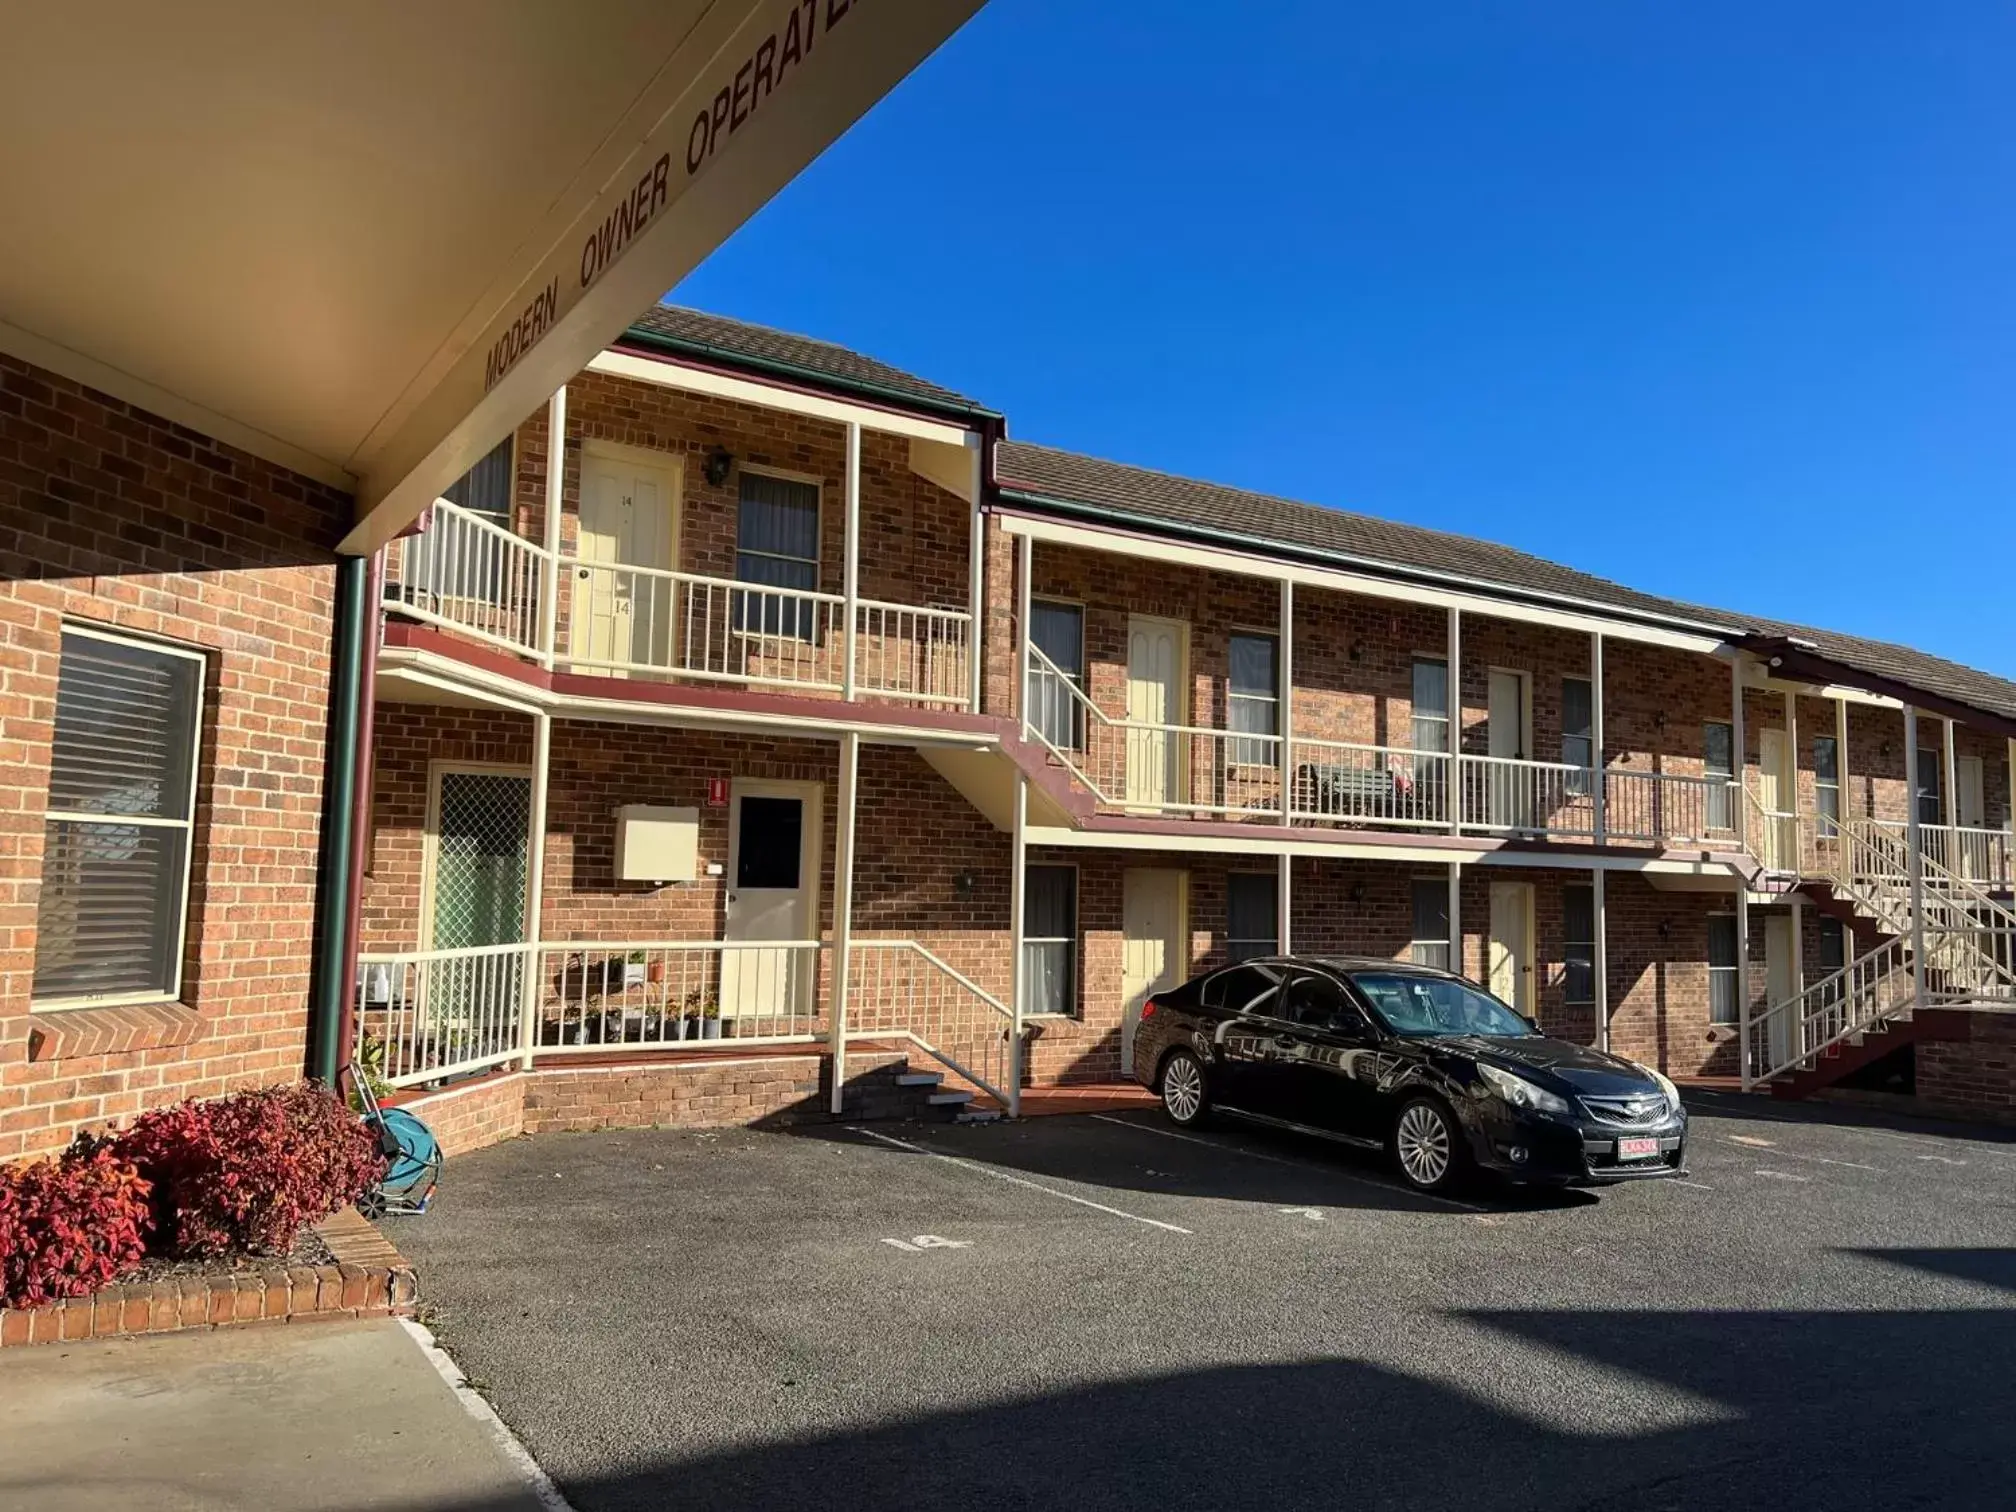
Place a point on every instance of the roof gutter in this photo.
(1312, 556)
(770, 367)
(1804, 663)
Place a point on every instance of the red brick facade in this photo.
(116, 518)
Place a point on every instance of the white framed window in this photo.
(1253, 696)
(1578, 730)
(1826, 783)
(1252, 922)
(1725, 973)
(1430, 945)
(1578, 943)
(1057, 629)
(1050, 945)
(1431, 704)
(120, 824)
(1718, 765)
(777, 547)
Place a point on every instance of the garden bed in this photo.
(342, 1267)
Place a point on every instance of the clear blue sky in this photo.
(1717, 300)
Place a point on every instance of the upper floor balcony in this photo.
(696, 529)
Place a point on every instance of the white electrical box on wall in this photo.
(657, 844)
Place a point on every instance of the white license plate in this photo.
(1637, 1149)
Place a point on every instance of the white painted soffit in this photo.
(365, 240)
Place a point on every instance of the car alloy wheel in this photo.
(1183, 1087)
(1424, 1144)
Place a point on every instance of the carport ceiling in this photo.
(295, 221)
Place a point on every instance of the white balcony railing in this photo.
(1666, 809)
(425, 1015)
(601, 995)
(468, 574)
(1969, 851)
(1337, 781)
(1527, 797)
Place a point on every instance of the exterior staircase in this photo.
(1885, 997)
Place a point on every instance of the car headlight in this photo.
(1665, 1085)
(1520, 1092)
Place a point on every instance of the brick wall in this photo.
(474, 1114)
(118, 518)
(1971, 1078)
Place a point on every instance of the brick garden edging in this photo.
(369, 1279)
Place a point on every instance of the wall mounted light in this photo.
(1357, 893)
(1357, 652)
(719, 461)
(962, 884)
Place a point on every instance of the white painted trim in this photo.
(1338, 581)
(1267, 840)
(102, 376)
(667, 372)
(843, 908)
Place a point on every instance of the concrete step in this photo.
(949, 1099)
(920, 1079)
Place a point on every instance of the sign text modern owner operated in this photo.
(761, 74)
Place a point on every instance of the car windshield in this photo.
(1423, 1005)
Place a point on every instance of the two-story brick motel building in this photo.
(759, 724)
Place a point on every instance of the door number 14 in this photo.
(921, 1242)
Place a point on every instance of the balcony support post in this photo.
(1018, 963)
(1914, 856)
(535, 886)
(1025, 559)
(976, 583)
(1453, 705)
(1456, 963)
(1285, 705)
(843, 910)
(1841, 767)
(1284, 905)
(556, 502)
(851, 581)
(1789, 799)
(1950, 794)
(1744, 1060)
(1596, 784)
(1601, 965)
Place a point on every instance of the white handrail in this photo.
(467, 573)
(901, 989)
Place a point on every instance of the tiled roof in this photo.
(760, 345)
(1183, 503)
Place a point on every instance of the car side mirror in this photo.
(1351, 1025)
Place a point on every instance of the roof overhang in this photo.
(1798, 661)
(365, 241)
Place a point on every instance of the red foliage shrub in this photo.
(248, 1171)
(69, 1226)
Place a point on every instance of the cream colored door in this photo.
(624, 609)
(1510, 802)
(1970, 812)
(1155, 656)
(1781, 979)
(773, 880)
(1511, 946)
(1774, 795)
(1152, 954)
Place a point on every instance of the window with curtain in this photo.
(777, 546)
(1252, 916)
(1724, 973)
(1050, 940)
(119, 825)
(1718, 744)
(1578, 729)
(1430, 945)
(1826, 782)
(1058, 631)
(1578, 943)
(1253, 698)
(1431, 705)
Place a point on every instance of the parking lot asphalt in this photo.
(1104, 1312)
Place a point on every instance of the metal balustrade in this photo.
(1667, 809)
(598, 995)
(899, 990)
(425, 1015)
(467, 573)
(1510, 796)
(1340, 782)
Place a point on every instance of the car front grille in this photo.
(1637, 1112)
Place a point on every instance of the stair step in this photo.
(978, 1116)
(919, 1079)
(948, 1099)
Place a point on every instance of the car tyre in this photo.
(1429, 1147)
(1185, 1089)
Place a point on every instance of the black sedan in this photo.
(1410, 1060)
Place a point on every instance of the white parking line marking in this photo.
(1021, 1181)
(1784, 1176)
(1697, 1185)
(1853, 1165)
(1314, 1215)
(1750, 1139)
(1942, 1159)
(1300, 1165)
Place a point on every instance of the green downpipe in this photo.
(339, 818)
